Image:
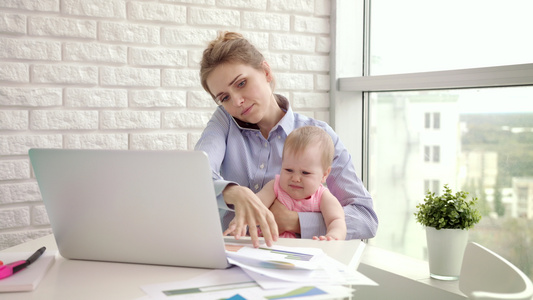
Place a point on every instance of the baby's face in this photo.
(302, 174)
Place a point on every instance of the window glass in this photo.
(483, 144)
(419, 35)
(436, 120)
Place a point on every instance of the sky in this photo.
(489, 100)
(419, 35)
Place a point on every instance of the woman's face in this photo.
(242, 90)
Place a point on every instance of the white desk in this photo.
(399, 277)
(74, 279)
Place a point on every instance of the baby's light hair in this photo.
(300, 138)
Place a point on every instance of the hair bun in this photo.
(228, 35)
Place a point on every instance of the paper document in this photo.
(277, 257)
(233, 283)
(291, 264)
(276, 272)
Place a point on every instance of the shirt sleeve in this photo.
(343, 182)
(213, 142)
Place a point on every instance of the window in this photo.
(481, 149)
(436, 154)
(432, 154)
(445, 92)
(436, 120)
(432, 186)
(418, 35)
(427, 154)
(427, 120)
(432, 120)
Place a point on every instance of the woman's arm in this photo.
(230, 195)
(286, 219)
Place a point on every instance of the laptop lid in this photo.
(149, 207)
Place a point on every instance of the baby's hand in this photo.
(325, 238)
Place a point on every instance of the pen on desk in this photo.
(12, 268)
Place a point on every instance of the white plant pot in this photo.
(446, 248)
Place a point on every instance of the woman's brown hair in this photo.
(228, 47)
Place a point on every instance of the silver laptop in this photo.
(149, 207)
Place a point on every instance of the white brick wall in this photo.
(123, 74)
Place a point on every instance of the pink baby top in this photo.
(311, 204)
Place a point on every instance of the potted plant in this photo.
(447, 219)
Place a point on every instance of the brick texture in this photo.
(114, 74)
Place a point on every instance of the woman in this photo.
(244, 141)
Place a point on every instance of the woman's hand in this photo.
(231, 229)
(286, 219)
(250, 211)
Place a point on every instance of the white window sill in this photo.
(402, 277)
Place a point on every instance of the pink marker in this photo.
(14, 267)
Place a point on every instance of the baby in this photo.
(306, 163)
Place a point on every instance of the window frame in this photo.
(499, 76)
(352, 83)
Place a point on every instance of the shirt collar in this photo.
(287, 122)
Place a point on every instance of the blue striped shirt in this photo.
(238, 153)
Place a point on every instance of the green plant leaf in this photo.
(450, 210)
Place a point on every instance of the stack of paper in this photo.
(268, 273)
